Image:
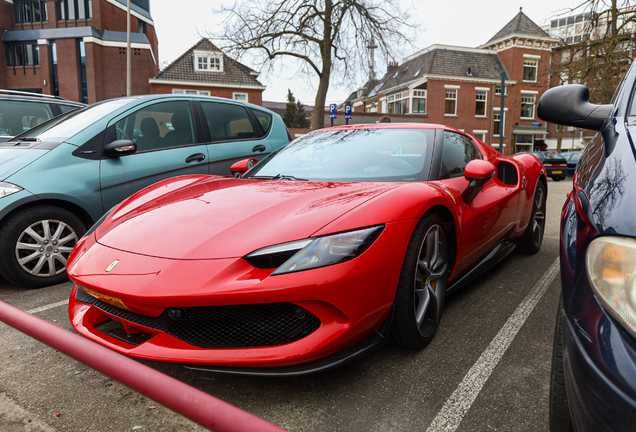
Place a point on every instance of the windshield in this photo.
(67, 125)
(386, 155)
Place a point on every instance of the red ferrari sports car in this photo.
(345, 239)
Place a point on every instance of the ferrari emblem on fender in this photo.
(111, 266)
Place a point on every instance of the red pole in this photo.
(188, 401)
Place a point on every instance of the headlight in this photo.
(92, 229)
(314, 252)
(8, 189)
(611, 269)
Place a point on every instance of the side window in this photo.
(67, 108)
(458, 150)
(227, 122)
(20, 116)
(265, 119)
(165, 124)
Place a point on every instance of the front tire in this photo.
(533, 237)
(35, 244)
(560, 419)
(421, 291)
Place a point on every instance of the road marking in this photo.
(458, 404)
(47, 307)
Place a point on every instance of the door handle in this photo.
(197, 157)
(259, 148)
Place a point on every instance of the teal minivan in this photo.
(60, 177)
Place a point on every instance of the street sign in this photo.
(348, 111)
(536, 123)
(332, 111)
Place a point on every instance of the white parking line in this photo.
(47, 307)
(458, 404)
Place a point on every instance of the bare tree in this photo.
(599, 48)
(325, 36)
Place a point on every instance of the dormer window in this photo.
(207, 61)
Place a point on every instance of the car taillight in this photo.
(564, 165)
(548, 165)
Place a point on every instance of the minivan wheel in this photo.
(37, 243)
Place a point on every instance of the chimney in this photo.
(392, 67)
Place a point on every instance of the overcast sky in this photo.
(468, 23)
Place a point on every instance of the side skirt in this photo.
(500, 251)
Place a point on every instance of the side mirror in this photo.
(478, 172)
(569, 105)
(242, 166)
(120, 148)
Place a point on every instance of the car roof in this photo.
(387, 126)
(36, 97)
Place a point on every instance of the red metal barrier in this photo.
(186, 400)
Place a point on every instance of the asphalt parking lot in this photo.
(487, 368)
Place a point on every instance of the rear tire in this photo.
(560, 419)
(421, 290)
(533, 237)
(35, 244)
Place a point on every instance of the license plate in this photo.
(557, 172)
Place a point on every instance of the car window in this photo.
(161, 125)
(457, 151)
(265, 119)
(67, 108)
(20, 116)
(575, 157)
(227, 121)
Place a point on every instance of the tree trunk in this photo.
(559, 137)
(325, 52)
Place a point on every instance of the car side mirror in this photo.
(478, 172)
(242, 166)
(569, 105)
(120, 148)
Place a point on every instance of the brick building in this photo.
(205, 70)
(459, 86)
(89, 39)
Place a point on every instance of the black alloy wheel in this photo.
(421, 291)
(533, 237)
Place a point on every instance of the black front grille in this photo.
(237, 326)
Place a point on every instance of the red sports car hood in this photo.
(221, 218)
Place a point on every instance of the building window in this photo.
(205, 61)
(56, 83)
(498, 90)
(480, 135)
(74, 9)
(82, 53)
(28, 11)
(240, 96)
(141, 26)
(527, 105)
(530, 70)
(419, 101)
(191, 92)
(451, 102)
(496, 129)
(480, 103)
(398, 103)
(23, 54)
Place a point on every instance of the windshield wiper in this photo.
(279, 177)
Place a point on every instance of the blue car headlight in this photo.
(316, 252)
(611, 269)
(8, 189)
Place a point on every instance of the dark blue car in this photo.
(593, 379)
(573, 159)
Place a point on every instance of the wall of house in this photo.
(254, 96)
(100, 84)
